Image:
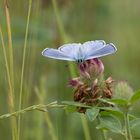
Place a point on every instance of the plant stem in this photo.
(126, 131)
(85, 127)
(9, 68)
(10, 96)
(128, 135)
(59, 21)
(71, 66)
(47, 117)
(128, 125)
(40, 107)
(23, 64)
(62, 33)
(103, 133)
(8, 21)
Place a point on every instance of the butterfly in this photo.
(80, 52)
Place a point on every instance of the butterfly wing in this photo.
(75, 51)
(103, 51)
(72, 50)
(91, 46)
(56, 54)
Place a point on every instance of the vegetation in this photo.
(35, 101)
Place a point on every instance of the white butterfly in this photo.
(80, 52)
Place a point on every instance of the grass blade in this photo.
(23, 65)
(10, 48)
(10, 93)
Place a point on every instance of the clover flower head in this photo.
(90, 87)
(91, 68)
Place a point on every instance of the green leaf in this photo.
(106, 101)
(75, 104)
(111, 123)
(119, 101)
(92, 113)
(71, 109)
(101, 127)
(132, 117)
(134, 123)
(112, 110)
(135, 97)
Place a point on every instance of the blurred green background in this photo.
(46, 80)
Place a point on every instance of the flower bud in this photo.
(91, 68)
(123, 90)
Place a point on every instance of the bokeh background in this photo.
(46, 80)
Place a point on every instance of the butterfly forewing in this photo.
(71, 50)
(106, 50)
(93, 45)
(56, 54)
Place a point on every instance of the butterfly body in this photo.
(80, 52)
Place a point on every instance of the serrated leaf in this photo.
(135, 97)
(134, 123)
(119, 101)
(75, 104)
(92, 113)
(111, 123)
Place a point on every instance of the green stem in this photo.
(103, 133)
(8, 22)
(128, 135)
(71, 66)
(48, 120)
(85, 127)
(40, 107)
(62, 33)
(11, 70)
(10, 96)
(7, 67)
(129, 130)
(23, 64)
(59, 21)
(126, 131)
(128, 125)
